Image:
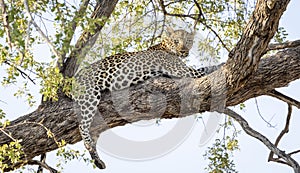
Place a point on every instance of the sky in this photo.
(186, 153)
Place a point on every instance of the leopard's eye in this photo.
(176, 41)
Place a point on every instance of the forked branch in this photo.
(250, 131)
(284, 131)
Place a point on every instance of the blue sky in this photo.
(187, 156)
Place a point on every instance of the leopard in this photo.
(122, 70)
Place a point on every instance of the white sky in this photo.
(188, 156)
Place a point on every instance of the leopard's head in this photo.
(178, 42)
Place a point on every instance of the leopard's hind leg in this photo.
(88, 109)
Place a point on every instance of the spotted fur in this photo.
(122, 70)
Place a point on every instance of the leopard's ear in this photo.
(170, 31)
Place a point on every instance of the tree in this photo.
(246, 74)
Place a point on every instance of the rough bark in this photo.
(244, 76)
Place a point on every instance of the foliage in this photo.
(12, 151)
(220, 154)
(3, 122)
(219, 157)
(66, 155)
(280, 35)
(242, 106)
(2, 116)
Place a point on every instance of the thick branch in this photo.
(259, 31)
(81, 11)
(245, 56)
(87, 39)
(288, 44)
(176, 98)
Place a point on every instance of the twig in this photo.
(173, 2)
(27, 41)
(195, 18)
(288, 44)
(23, 74)
(284, 131)
(163, 7)
(46, 39)
(42, 22)
(250, 131)
(43, 18)
(216, 34)
(5, 23)
(294, 152)
(199, 15)
(284, 98)
(8, 135)
(155, 25)
(259, 113)
(44, 165)
(1, 101)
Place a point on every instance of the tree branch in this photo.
(284, 98)
(216, 34)
(288, 44)
(245, 56)
(244, 124)
(42, 160)
(43, 35)
(259, 31)
(294, 152)
(74, 23)
(41, 164)
(6, 23)
(23, 74)
(261, 116)
(87, 39)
